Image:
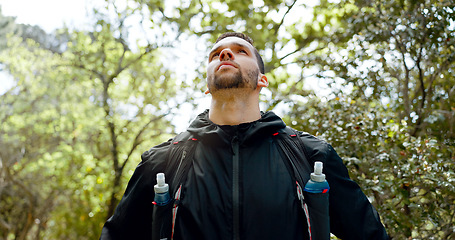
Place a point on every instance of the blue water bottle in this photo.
(161, 191)
(162, 210)
(317, 198)
(317, 183)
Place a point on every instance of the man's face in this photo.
(232, 64)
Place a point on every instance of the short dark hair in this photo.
(250, 41)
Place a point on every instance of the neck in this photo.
(234, 108)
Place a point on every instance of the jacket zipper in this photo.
(235, 189)
(177, 195)
(180, 162)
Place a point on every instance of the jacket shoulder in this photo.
(132, 217)
(316, 148)
(156, 155)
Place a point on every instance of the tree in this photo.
(399, 63)
(403, 53)
(7, 26)
(73, 124)
(408, 179)
(51, 41)
(30, 116)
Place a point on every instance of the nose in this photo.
(226, 54)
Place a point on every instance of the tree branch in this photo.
(137, 140)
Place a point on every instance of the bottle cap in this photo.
(317, 175)
(161, 186)
(317, 168)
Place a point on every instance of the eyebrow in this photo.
(224, 45)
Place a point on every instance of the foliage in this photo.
(79, 116)
(31, 114)
(53, 41)
(409, 179)
(74, 126)
(395, 66)
(268, 22)
(402, 54)
(7, 26)
(393, 127)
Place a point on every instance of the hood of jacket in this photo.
(268, 124)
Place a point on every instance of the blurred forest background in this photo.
(374, 78)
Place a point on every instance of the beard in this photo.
(234, 81)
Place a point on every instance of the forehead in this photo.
(232, 41)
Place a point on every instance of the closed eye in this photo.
(214, 55)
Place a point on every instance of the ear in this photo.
(263, 82)
(207, 91)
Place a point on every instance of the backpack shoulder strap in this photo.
(178, 162)
(294, 152)
(296, 159)
(180, 159)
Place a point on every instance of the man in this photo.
(238, 186)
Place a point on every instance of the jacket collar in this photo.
(268, 124)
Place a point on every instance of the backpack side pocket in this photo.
(162, 221)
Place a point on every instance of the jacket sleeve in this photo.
(351, 214)
(132, 218)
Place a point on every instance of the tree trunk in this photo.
(115, 189)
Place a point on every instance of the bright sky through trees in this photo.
(48, 14)
(53, 14)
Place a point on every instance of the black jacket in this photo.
(239, 185)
